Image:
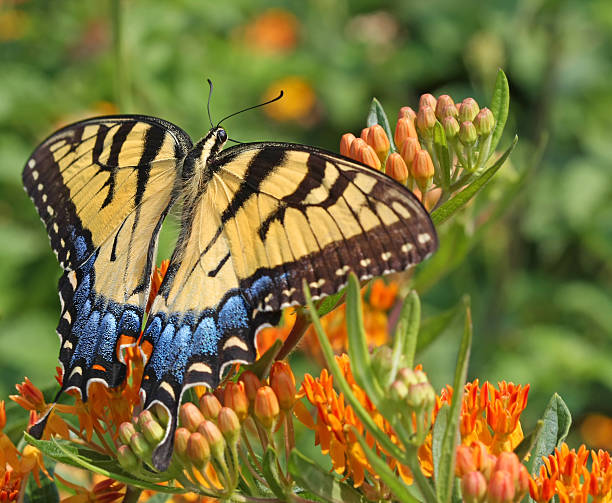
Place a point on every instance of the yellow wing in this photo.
(102, 187)
(271, 216)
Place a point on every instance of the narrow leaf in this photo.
(406, 334)
(377, 115)
(329, 303)
(500, 103)
(320, 482)
(453, 205)
(271, 473)
(557, 421)
(441, 150)
(446, 467)
(527, 444)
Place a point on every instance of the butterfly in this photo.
(257, 220)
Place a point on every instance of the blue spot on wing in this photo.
(233, 315)
(206, 337)
(107, 335)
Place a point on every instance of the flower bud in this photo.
(409, 149)
(209, 406)
(140, 446)
(368, 157)
(407, 376)
(404, 129)
(451, 127)
(235, 398)
(420, 376)
(364, 134)
(379, 141)
(214, 437)
(467, 133)
(484, 122)
(190, 416)
(427, 100)
(399, 391)
(422, 170)
(473, 487)
(508, 462)
(198, 450)
(181, 437)
(444, 102)
(425, 121)
(126, 430)
(251, 385)
(396, 168)
(501, 488)
(407, 112)
(153, 432)
(356, 146)
(127, 459)
(160, 414)
(382, 365)
(345, 143)
(431, 198)
(522, 484)
(266, 407)
(464, 461)
(421, 396)
(144, 417)
(229, 425)
(468, 109)
(282, 381)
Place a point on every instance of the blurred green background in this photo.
(539, 278)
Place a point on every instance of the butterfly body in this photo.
(257, 220)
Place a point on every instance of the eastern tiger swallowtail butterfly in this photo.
(257, 220)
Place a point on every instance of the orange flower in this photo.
(297, 103)
(565, 473)
(273, 30)
(156, 280)
(105, 491)
(596, 430)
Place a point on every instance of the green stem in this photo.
(421, 481)
(132, 494)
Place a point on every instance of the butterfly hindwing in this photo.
(271, 216)
(102, 187)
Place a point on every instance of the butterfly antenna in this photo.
(280, 95)
(235, 141)
(208, 104)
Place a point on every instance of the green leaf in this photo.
(445, 476)
(557, 421)
(406, 334)
(437, 437)
(329, 303)
(320, 482)
(271, 474)
(261, 367)
(441, 150)
(393, 482)
(377, 115)
(528, 443)
(500, 104)
(453, 205)
(73, 454)
(46, 493)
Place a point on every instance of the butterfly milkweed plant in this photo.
(371, 427)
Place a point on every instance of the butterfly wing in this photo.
(102, 188)
(273, 215)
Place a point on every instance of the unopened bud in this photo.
(407, 112)
(368, 157)
(473, 487)
(464, 461)
(451, 127)
(161, 414)
(431, 198)
(126, 457)
(409, 149)
(522, 484)
(190, 416)
(144, 417)
(382, 362)
(467, 133)
(266, 406)
(235, 398)
(140, 446)
(422, 170)
(251, 385)
(425, 121)
(421, 396)
(427, 100)
(501, 488)
(450, 111)
(379, 141)
(153, 432)
(468, 109)
(282, 381)
(345, 143)
(357, 146)
(214, 437)
(396, 168)
(404, 129)
(126, 430)
(229, 425)
(407, 376)
(181, 437)
(209, 406)
(364, 134)
(508, 462)
(444, 102)
(399, 391)
(198, 450)
(484, 122)
(420, 376)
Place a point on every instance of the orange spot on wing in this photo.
(98, 367)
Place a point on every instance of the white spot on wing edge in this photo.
(200, 367)
(407, 247)
(424, 238)
(385, 256)
(31, 163)
(343, 270)
(72, 279)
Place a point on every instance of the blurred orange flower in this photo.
(297, 104)
(596, 429)
(273, 30)
(13, 24)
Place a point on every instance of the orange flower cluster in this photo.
(105, 491)
(16, 466)
(334, 425)
(566, 475)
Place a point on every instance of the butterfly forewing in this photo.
(102, 187)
